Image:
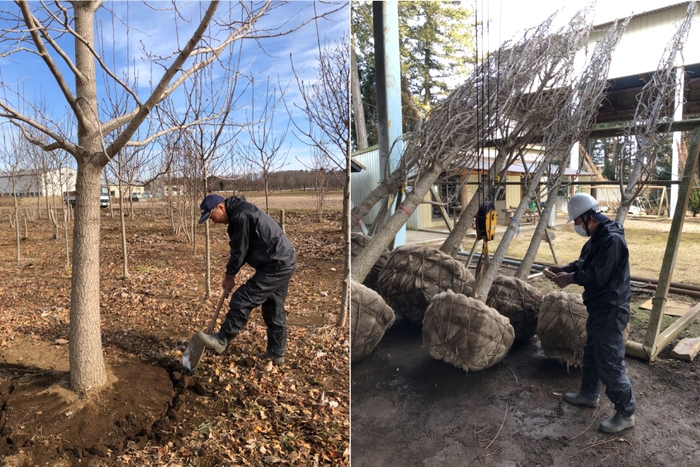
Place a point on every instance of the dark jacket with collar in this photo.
(256, 239)
(603, 268)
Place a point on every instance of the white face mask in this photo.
(581, 230)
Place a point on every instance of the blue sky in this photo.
(152, 27)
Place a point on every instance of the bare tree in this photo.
(655, 104)
(507, 97)
(41, 29)
(14, 170)
(320, 173)
(203, 130)
(574, 122)
(325, 105)
(264, 149)
(64, 180)
(357, 109)
(127, 168)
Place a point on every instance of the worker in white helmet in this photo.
(604, 272)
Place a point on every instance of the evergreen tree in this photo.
(436, 40)
(436, 46)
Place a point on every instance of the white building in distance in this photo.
(31, 183)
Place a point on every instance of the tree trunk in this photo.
(54, 209)
(87, 368)
(192, 204)
(65, 235)
(630, 192)
(384, 188)
(207, 260)
(54, 195)
(616, 157)
(345, 300)
(41, 191)
(531, 254)
(356, 94)
(16, 214)
(122, 224)
(207, 239)
(381, 240)
(453, 242)
(481, 289)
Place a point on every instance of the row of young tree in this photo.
(117, 127)
(283, 180)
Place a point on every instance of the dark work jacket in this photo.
(256, 239)
(603, 269)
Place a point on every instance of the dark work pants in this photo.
(604, 358)
(269, 289)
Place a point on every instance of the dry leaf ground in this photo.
(235, 410)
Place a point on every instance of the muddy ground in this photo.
(410, 409)
(235, 410)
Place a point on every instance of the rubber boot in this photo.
(215, 341)
(276, 359)
(617, 423)
(575, 398)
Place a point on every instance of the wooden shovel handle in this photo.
(224, 294)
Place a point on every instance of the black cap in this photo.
(208, 203)
(598, 216)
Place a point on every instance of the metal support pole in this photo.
(388, 76)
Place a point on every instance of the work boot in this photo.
(276, 359)
(215, 342)
(575, 398)
(617, 423)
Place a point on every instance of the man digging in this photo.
(255, 239)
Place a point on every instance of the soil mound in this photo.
(43, 422)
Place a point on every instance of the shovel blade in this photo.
(193, 353)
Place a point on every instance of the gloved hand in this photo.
(563, 279)
(229, 282)
(558, 269)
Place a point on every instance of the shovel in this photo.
(194, 351)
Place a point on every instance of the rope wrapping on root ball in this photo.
(561, 327)
(518, 301)
(414, 274)
(358, 243)
(465, 332)
(370, 317)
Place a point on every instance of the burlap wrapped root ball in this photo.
(561, 327)
(414, 274)
(358, 242)
(519, 302)
(370, 317)
(465, 332)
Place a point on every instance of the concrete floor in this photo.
(440, 234)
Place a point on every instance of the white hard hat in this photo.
(580, 203)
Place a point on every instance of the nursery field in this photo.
(235, 409)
